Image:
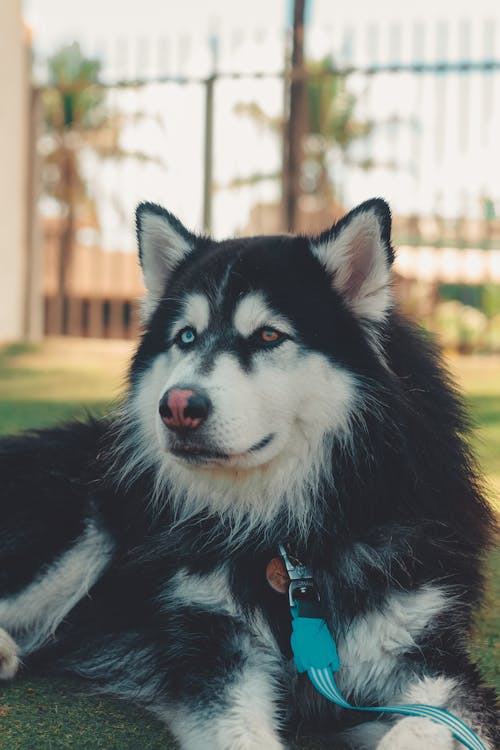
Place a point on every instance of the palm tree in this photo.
(73, 109)
(331, 125)
(76, 118)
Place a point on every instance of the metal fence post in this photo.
(208, 154)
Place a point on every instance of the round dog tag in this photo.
(277, 576)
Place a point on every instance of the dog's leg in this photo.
(9, 661)
(415, 733)
(242, 717)
(468, 700)
(211, 680)
(235, 708)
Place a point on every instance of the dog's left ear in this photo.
(357, 253)
(163, 244)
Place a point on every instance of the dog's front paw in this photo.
(9, 661)
(415, 733)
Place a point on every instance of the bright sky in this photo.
(57, 20)
(445, 165)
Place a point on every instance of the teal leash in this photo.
(315, 652)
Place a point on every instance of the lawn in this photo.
(40, 386)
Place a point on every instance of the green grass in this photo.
(62, 379)
(479, 377)
(65, 378)
(43, 714)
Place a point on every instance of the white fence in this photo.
(448, 265)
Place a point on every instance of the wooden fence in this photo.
(102, 291)
(103, 288)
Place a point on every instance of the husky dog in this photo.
(276, 396)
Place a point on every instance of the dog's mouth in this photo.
(197, 454)
(193, 454)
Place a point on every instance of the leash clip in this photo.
(302, 589)
(302, 595)
(295, 569)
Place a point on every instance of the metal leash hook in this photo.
(302, 591)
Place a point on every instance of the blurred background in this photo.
(241, 118)
(246, 118)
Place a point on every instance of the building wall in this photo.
(13, 189)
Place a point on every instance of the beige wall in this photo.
(13, 142)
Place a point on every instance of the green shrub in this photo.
(460, 327)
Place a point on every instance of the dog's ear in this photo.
(357, 253)
(163, 243)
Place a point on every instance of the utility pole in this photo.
(295, 120)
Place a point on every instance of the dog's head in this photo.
(253, 348)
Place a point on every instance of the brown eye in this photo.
(270, 335)
(267, 337)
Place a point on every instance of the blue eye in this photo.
(186, 337)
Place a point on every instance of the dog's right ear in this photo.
(163, 243)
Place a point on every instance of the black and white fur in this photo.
(134, 555)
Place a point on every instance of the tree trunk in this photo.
(66, 240)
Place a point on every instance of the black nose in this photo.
(183, 408)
